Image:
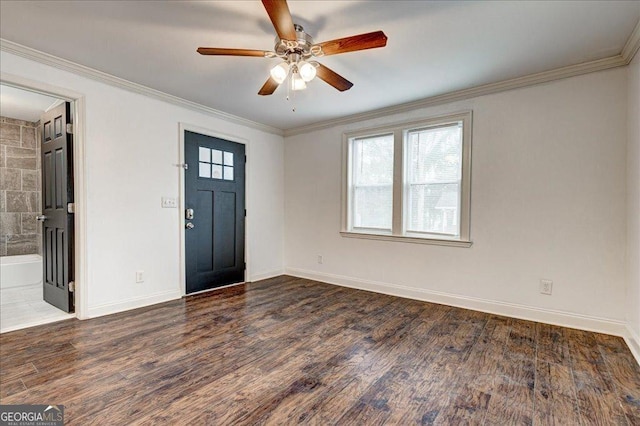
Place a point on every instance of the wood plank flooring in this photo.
(290, 351)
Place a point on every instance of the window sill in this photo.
(404, 239)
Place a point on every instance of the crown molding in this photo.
(632, 45)
(102, 77)
(486, 89)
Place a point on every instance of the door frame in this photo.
(79, 190)
(182, 128)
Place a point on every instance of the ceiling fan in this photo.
(296, 48)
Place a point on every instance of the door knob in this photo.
(41, 217)
(189, 225)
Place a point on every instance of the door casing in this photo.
(182, 127)
(80, 196)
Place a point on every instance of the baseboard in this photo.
(265, 275)
(112, 308)
(139, 302)
(633, 341)
(548, 316)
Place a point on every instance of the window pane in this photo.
(205, 170)
(216, 156)
(434, 208)
(204, 154)
(217, 171)
(228, 158)
(372, 207)
(435, 155)
(373, 160)
(228, 173)
(372, 177)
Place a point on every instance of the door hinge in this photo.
(244, 266)
(71, 208)
(245, 158)
(72, 286)
(245, 212)
(69, 128)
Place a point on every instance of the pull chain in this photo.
(291, 97)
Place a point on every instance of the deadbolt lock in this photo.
(188, 214)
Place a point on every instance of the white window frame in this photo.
(400, 184)
(352, 189)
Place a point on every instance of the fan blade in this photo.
(332, 78)
(269, 87)
(280, 16)
(231, 52)
(354, 43)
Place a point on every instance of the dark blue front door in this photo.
(214, 212)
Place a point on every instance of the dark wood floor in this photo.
(289, 350)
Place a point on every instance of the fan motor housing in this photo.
(301, 46)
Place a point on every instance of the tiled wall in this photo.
(19, 187)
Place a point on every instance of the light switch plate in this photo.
(169, 203)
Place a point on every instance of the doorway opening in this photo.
(22, 194)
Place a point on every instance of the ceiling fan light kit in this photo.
(296, 49)
(300, 70)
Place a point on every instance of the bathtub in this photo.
(17, 271)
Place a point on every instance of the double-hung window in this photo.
(409, 182)
(372, 188)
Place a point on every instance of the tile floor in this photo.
(22, 307)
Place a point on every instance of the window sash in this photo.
(408, 223)
(355, 211)
(436, 209)
(360, 183)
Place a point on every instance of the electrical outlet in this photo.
(320, 259)
(139, 276)
(546, 286)
(169, 203)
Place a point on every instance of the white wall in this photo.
(131, 156)
(548, 201)
(633, 204)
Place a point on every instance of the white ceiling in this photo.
(433, 47)
(24, 105)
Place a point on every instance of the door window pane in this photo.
(216, 171)
(228, 158)
(216, 156)
(205, 170)
(228, 173)
(204, 154)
